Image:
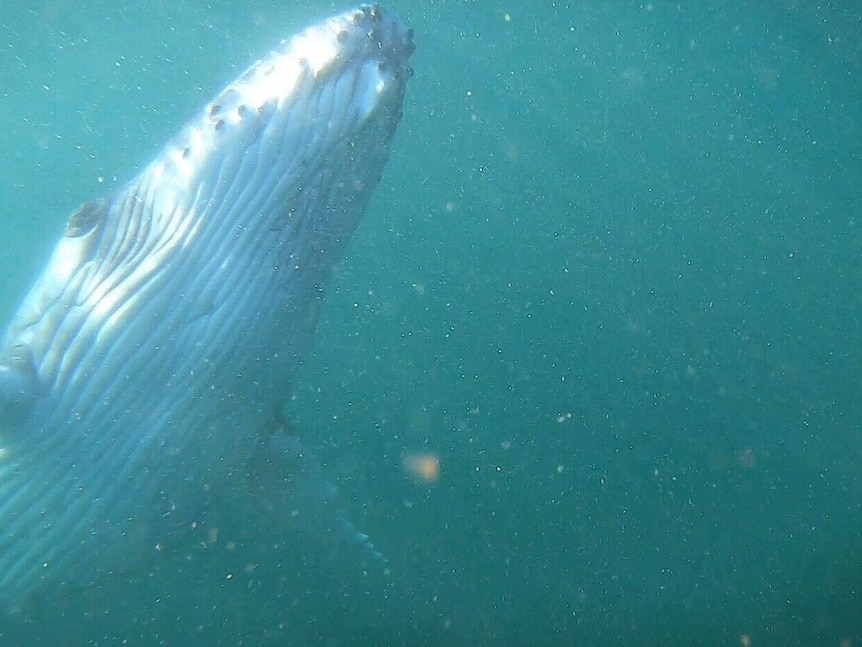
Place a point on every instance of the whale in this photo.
(150, 362)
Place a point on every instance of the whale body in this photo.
(147, 364)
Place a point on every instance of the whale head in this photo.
(139, 375)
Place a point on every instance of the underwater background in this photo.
(589, 372)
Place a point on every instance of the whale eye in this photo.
(88, 216)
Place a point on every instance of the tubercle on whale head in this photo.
(348, 66)
(319, 53)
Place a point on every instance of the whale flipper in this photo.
(289, 483)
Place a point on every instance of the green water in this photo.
(611, 279)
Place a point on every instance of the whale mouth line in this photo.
(142, 369)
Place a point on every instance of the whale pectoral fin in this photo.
(290, 484)
(17, 391)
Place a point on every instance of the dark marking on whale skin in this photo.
(139, 376)
(88, 216)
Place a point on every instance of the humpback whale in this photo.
(150, 360)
